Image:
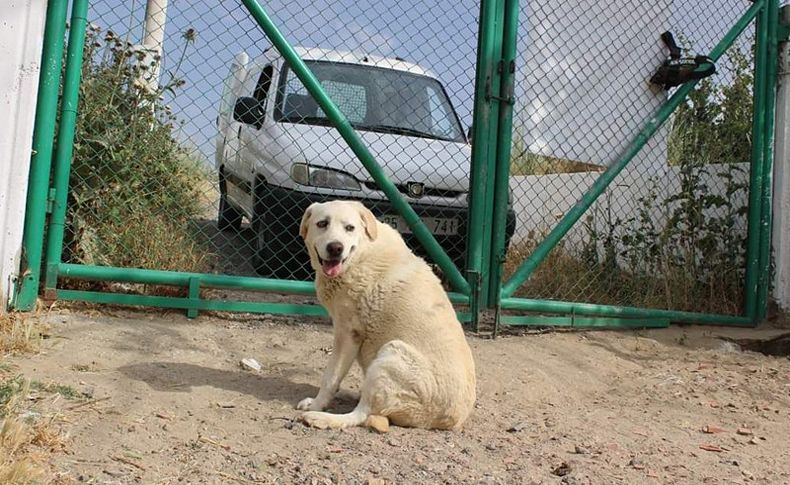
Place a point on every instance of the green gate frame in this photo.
(482, 287)
(766, 13)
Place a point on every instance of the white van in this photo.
(276, 152)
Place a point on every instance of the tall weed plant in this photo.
(135, 192)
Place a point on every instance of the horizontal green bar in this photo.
(189, 304)
(207, 280)
(586, 322)
(178, 278)
(210, 305)
(553, 306)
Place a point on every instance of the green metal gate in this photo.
(119, 215)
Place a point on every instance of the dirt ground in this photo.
(163, 399)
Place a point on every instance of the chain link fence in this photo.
(670, 231)
(197, 149)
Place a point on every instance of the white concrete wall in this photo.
(21, 32)
(781, 208)
(540, 201)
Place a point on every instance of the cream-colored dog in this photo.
(392, 316)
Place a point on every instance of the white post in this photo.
(781, 203)
(153, 37)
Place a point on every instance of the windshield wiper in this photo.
(399, 130)
(309, 120)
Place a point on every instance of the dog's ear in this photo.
(305, 221)
(369, 221)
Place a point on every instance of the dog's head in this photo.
(335, 233)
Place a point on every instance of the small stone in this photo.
(250, 364)
(517, 427)
(562, 469)
(580, 450)
(744, 432)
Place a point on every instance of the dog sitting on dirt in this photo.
(389, 313)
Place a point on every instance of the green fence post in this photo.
(41, 162)
(766, 205)
(344, 128)
(483, 133)
(503, 147)
(599, 186)
(65, 142)
(756, 176)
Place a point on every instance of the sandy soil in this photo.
(162, 399)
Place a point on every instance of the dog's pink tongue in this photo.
(332, 268)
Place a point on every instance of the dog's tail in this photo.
(379, 423)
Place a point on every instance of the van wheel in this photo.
(228, 217)
(272, 258)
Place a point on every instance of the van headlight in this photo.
(304, 174)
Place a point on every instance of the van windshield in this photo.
(373, 99)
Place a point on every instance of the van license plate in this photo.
(440, 226)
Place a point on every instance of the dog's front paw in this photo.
(307, 404)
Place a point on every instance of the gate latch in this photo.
(509, 99)
(679, 70)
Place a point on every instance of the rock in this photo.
(580, 450)
(744, 432)
(517, 427)
(250, 364)
(562, 469)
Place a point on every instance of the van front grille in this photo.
(427, 192)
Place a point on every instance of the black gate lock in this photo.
(678, 70)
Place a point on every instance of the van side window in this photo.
(264, 83)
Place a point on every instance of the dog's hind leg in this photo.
(395, 386)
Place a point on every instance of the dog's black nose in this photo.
(334, 249)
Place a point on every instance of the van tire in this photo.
(271, 257)
(228, 217)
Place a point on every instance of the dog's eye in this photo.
(349, 228)
(322, 224)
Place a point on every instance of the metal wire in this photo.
(200, 154)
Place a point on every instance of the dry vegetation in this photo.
(565, 277)
(27, 434)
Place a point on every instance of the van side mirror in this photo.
(248, 111)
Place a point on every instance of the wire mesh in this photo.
(197, 149)
(670, 231)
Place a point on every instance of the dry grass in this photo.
(528, 163)
(18, 334)
(16, 464)
(23, 439)
(566, 277)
